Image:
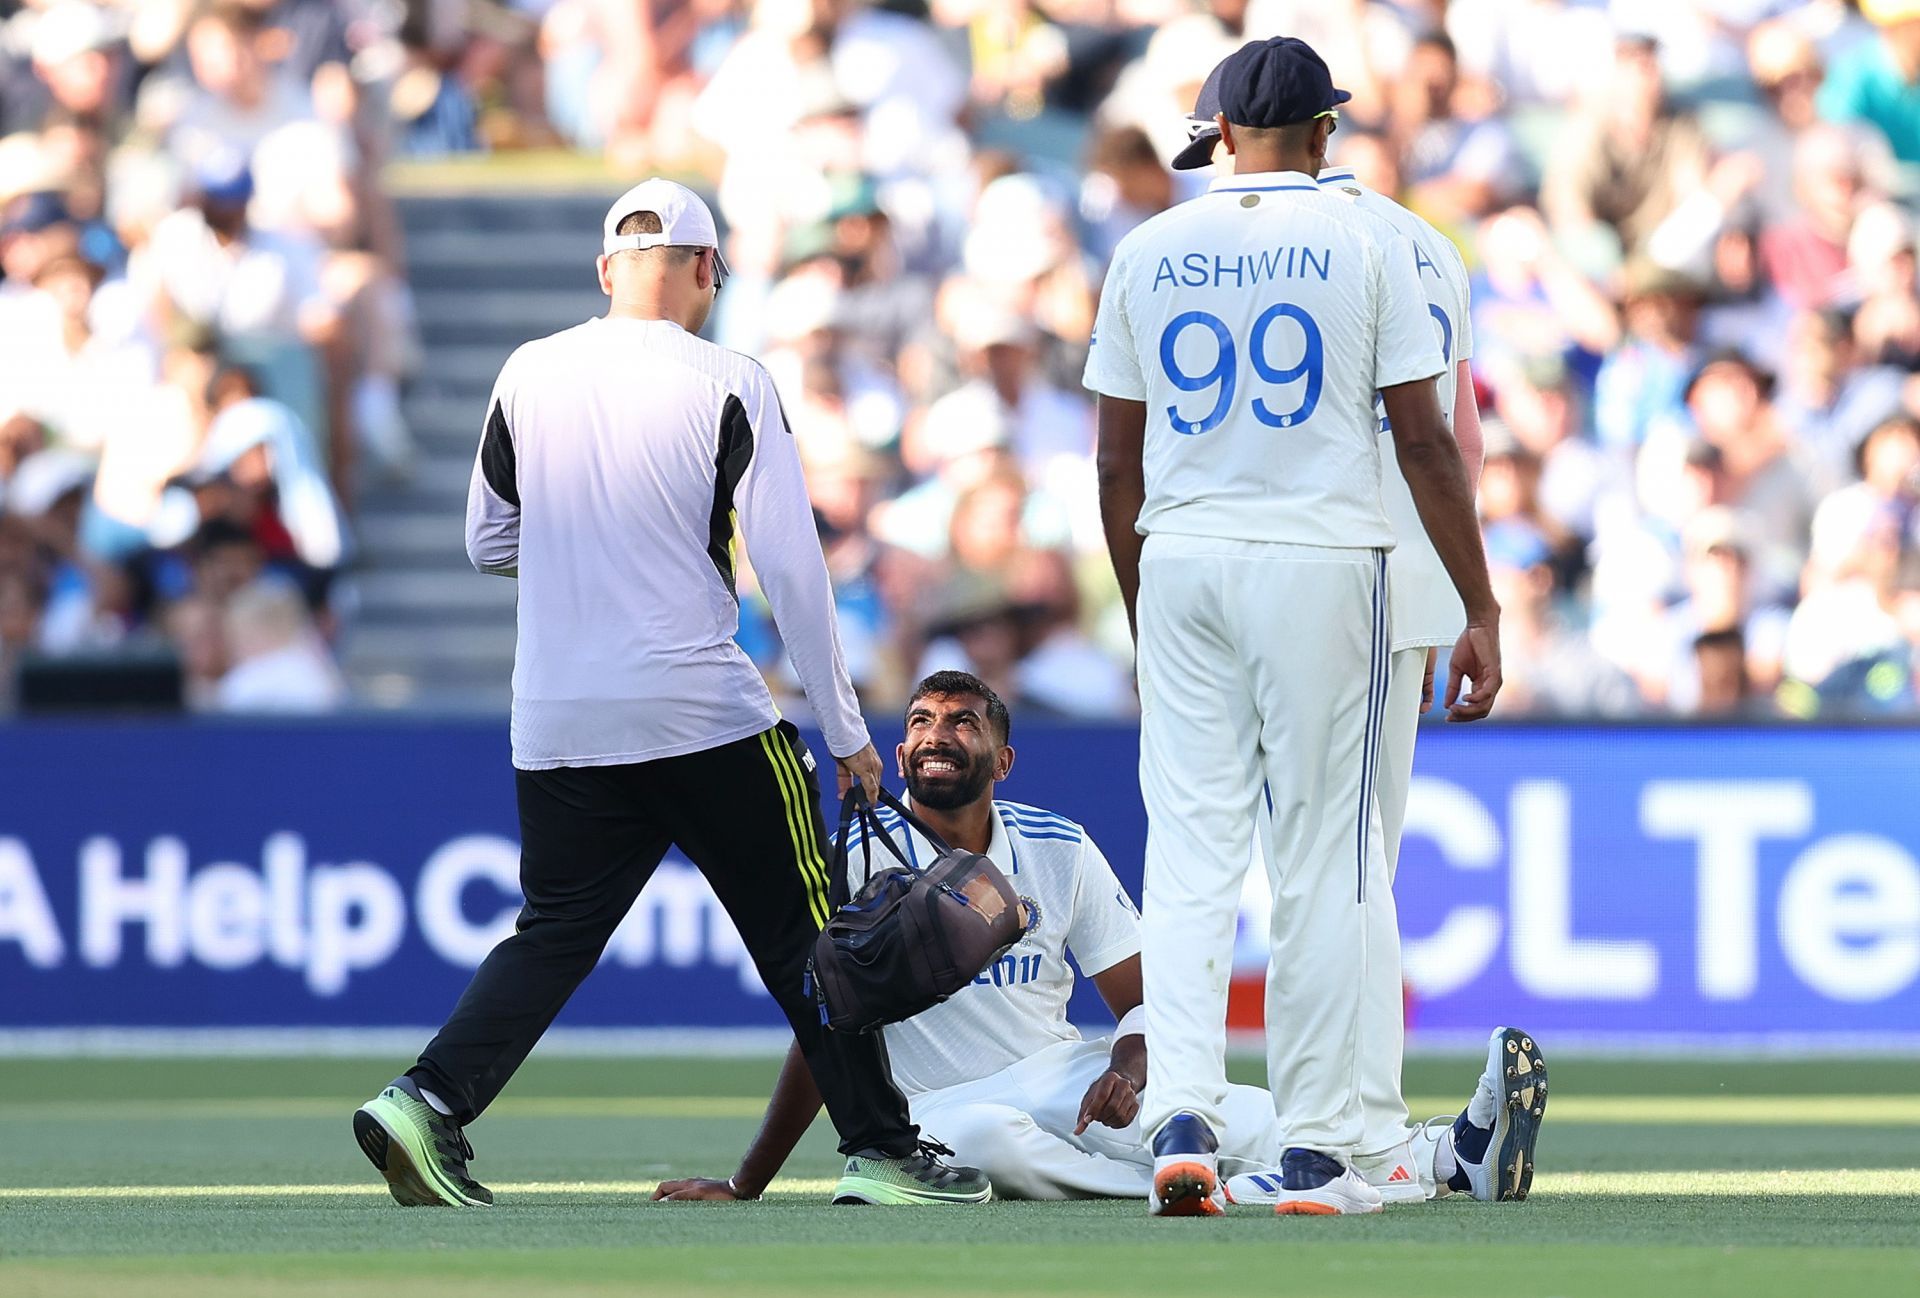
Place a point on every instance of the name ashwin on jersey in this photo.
(1201, 269)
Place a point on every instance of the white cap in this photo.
(70, 29)
(42, 479)
(685, 220)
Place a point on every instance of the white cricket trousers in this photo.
(1383, 1019)
(1016, 1125)
(1261, 665)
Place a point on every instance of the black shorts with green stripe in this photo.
(747, 814)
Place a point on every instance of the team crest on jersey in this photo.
(1030, 911)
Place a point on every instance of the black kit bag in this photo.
(911, 937)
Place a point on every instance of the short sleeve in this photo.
(1106, 926)
(1463, 288)
(1113, 360)
(1405, 349)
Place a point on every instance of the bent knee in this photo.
(986, 1136)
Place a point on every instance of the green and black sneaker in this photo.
(920, 1177)
(421, 1151)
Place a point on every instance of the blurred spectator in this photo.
(1889, 488)
(239, 96)
(1806, 253)
(75, 68)
(1718, 615)
(1846, 645)
(832, 395)
(1761, 474)
(258, 469)
(1548, 665)
(1643, 384)
(1829, 397)
(1526, 52)
(1629, 158)
(1063, 671)
(1000, 359)
(1878, 82)
(1726, 689)
(1125, 184)
(1886, 285)
(260, 291)
(1527, 299)
(1787, 71)
(1539, 404)
(278, 662)
(973, 626)
(1455, 169)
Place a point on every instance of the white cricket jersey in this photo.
(1426, 607)
(1257, 322)
(616, 458)
(1018, 1006)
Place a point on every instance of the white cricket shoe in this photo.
(1492, 1142)
(1186, 1175)
(1403, 1174)
(1308, 1184)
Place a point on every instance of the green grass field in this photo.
(240, 1177)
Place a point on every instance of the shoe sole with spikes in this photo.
(1517, 1118)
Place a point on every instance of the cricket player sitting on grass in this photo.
(997, 1072)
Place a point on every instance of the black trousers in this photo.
(747, 814)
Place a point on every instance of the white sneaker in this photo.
(1309, 1184)
(1404, 1174)
(1502, 1121)
(1186, 1176)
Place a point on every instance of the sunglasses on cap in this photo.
(1198, 128)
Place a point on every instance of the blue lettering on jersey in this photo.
(1201, 270)
(1223, 377)
(1011, 971)
(1423, 264)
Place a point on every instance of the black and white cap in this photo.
(685, 220)
(1202, 131)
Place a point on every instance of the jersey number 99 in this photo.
(1224, 376)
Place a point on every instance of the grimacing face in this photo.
(951, 755)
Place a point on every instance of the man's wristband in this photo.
(733, 1187)
(1133, 1024)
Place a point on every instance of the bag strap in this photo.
(940, 845)
(854, 808)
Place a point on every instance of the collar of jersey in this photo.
(630, 320)
(1000, 848)
(1333, 174)
(1262, 182)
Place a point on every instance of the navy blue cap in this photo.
(1276, 82)
(223, 176)
(1202, 131)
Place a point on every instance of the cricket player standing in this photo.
(1240, 343)
(1406, 1162)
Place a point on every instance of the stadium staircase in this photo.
(489, 270)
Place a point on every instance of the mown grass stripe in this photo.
(1706, 1110)
(1841, 1183)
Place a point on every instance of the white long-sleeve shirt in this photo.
(618, 460)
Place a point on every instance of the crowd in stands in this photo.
(204, 330)
(1691, 228)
